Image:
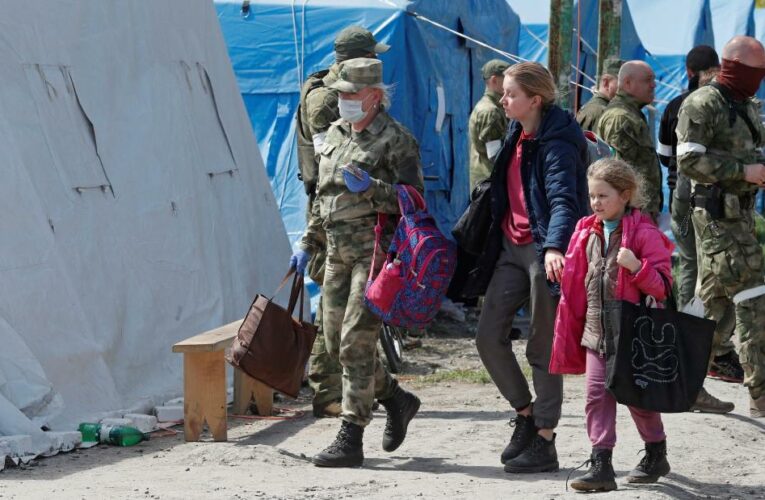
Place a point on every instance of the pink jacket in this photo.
(649, 244)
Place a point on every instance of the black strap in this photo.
(670, 301)
(737, 108)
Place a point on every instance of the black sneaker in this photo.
(727, 367)
(539, 456)
(347, 450)
(524, 432)
(652, 466)
(401, 409)
(601, 476)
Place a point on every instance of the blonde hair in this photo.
(621, 176)
(534, 79)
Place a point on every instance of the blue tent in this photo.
(275, 44)
(661, 32)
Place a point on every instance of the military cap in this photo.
(359, 73)
(494, 67)
(612, 65)
(355, 41)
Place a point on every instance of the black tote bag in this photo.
(472, 229)
(656, 359)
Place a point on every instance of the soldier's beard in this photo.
(742, 80)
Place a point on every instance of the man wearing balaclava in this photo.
(701, 64)
(718, 133)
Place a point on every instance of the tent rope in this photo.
(297, 55)
(535, 37)
(513, 57)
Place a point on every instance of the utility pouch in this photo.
(731, 206)
(710, 199)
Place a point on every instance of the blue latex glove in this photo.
(299, 260)
(356, 185)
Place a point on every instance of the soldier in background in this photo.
(624, 127)
(702, 64)
(363, 155)
(718, 133)
(590, 113)
(316, 112)
(488, 123)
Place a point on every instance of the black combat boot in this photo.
(601, 476)
(653, 464)
(347, 450)
(401, 408)
(524, 432)
(539, 456)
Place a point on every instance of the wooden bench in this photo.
(204, 384)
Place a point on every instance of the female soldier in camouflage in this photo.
(363, 155)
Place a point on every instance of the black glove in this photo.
(672, 179)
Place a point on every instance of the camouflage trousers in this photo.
(350, 329)
(324, 371)
(730, 262)
(685, 242)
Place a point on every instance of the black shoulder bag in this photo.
(656, 359)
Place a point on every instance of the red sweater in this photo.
(516, 223)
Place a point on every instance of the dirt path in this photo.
(452, 450)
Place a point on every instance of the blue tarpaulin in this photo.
(660, 32)
(436, 76)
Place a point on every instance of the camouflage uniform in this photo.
(317, 111)
(712, 152)
(389, 153)
(624, 127)
(487, 126)
(589, 114)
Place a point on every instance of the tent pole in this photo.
(609, 31)
(559, 53)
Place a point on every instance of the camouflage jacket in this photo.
(590, 113)
(317, 111)
(624, 127)
(387, 151)
(709, 149)
(488, 123)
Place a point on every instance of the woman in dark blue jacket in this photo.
(538, 193)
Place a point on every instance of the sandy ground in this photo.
(452, 450)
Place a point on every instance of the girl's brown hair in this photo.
(621, 176)
(534, 79)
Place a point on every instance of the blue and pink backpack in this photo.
(419, 265)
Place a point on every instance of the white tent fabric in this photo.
(135, 210)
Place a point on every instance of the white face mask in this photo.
(351, 110)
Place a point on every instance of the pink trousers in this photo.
(600, 410)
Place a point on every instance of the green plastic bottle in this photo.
(119, 435)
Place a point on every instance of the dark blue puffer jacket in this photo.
(554, 174)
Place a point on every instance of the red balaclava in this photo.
(742, 80)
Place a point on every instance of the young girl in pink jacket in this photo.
(615, 254)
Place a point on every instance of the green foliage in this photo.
(759, 229)
(470, 376)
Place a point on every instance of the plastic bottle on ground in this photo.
(119, 435)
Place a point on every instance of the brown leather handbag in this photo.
(272, 346)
